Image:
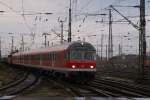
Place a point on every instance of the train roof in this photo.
(56, 48)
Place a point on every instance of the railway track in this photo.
(104, 88)
(94, 92)
(123, 88)
(73, 89)
(11, 75)
(27, 81)
(83, 90)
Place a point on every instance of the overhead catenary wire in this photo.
(85, 19)
(135, 6)
(17, 12)
(88, 2)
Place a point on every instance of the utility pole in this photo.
(102, 36)
(97, 48)
(121, 45)
(12, 43)
(106, 52)
(110, 41)
(45, 34)
(62, 27)
(142, 40)
(70, 19)
(120, 50)
(22, 44)
(12, 47)
(48, 43)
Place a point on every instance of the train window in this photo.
(36, 57)
(49, 56)
(33, 57)
(39, 57)
(81, 55)
(52, 56)
(28, 57)
(45, 56)
(20, 58)
(76, 55)
(55, 56)
(89, 56)
(66, 55)
(42, 56)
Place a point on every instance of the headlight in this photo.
(91, 66)
(73, 66)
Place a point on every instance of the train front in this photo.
(81, 61)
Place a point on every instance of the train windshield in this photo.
(81, 51)
(83, 55)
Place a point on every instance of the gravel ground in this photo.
(7, 74)
(47, 88)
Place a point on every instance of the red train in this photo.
(147, 59)
(75, 60)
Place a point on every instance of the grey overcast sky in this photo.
(32, 24)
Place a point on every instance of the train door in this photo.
(50, 59)
(40, 59)
(53, 60)
(10, 59)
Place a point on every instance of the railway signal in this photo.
(45, 34)
(62, 26)
(69, 27)
(12, 42)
